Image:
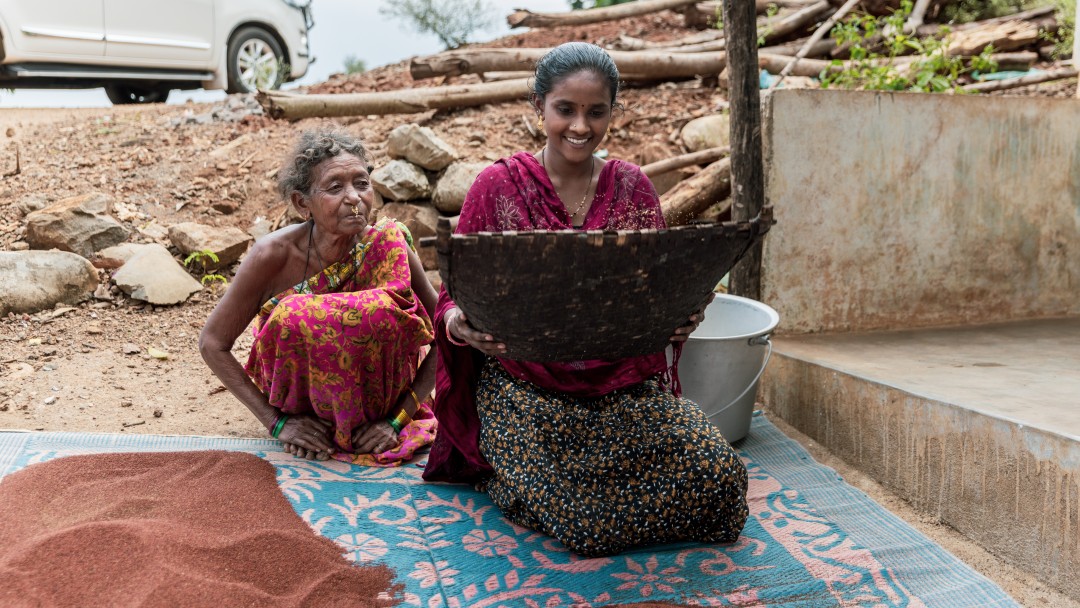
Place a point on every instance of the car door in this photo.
(55, 30)
(160, 33)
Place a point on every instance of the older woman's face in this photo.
(341, 194)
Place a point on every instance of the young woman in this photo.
(599, 454)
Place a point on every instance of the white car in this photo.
(139, 50)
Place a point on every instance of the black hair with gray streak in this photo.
(312, 148)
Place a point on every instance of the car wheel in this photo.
(255, 61)
(133, 93)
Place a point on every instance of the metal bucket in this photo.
(723, 360)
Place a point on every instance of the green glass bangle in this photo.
(394, 424)
(280, 424)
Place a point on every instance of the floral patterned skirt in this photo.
(601, 474)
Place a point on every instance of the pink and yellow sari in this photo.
(345, 344)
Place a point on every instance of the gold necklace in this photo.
(588, 184)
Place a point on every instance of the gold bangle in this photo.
(400, 421)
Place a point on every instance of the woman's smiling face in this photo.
(577, 112)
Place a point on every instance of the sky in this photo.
(342, 28)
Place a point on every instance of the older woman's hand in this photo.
(682, 333)
(307, 437)
(374, 438)
(459, 327)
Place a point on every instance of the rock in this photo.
(30, 203)
(228, 244)
(225, 151)
(706, 132)
(80, 224)
(260, 228)
(39, 280)
(154, 276)
(454, 185)
(225, 206)
(420, 146)
(656, 151)
(154, 231)
(429, 257)
(117, 255)
(20, 246)
(420, 219)
(130, 349)
(400, 180)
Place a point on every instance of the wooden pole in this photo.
(1076, 45)
(747, 168)
(524, 18)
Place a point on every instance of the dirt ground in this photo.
(70, 369)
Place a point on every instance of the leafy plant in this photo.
(877, 48)
(1062, 39)
(206, 259)
(354, 65)
(965, 11)
(201, 257)
(452, 21)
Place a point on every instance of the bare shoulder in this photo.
(277, 248)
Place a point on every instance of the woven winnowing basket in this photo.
(573, 295)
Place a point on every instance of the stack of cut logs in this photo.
(795, 42)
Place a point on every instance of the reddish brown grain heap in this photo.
(168, 529)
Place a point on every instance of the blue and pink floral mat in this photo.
(812, 541)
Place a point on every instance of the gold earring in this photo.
(539, 122)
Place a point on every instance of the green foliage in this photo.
(201, 257)
(452, 21)
(354, 65)
(214, 280)
(577, 5)
(770, 12)
(965, 11)
(1062, 39)
(876, 47)
(207, 260)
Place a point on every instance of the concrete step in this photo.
(977, 426)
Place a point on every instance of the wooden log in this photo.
(820, 48)
(1023, 81)
(690, 197)
(817, 35)
(1035, 14)
(629, 43)
(747, 164)
(783, 28)
(278, 104)
(524, 18)
(812, 68)
(703, 14)
(643, 64)
(701, 157)
(1007, 36)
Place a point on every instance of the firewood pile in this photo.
(795, 46)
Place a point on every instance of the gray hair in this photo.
(570, 58)
(312, 148)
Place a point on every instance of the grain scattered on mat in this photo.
(169, 529)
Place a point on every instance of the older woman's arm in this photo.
(228, 320)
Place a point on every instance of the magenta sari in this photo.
(516, 193)
(345, 344)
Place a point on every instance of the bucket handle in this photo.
(757, 341)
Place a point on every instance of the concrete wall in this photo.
(901, 210)
(1012, 488)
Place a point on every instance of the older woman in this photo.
(342, 310)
